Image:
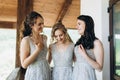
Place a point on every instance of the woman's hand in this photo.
(82, 50)
(39, 46)
(39, 43)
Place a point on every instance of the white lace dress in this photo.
(82, 69)
(39, 69)
(63, 61)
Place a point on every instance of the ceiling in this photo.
(51, 10)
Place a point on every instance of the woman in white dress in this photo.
(61, 51)
(33, 48)
(88, 51)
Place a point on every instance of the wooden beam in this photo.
(24, 7)
(111, 3)
(63, 10)
(7, 18)
(7, 25)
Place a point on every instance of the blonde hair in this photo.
(59, 26)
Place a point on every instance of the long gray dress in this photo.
(63, 61)
(82, 69)
(39, 69)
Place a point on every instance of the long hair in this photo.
(29, 21)
(87, 40)
(60, 26)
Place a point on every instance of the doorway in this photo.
(114, 39)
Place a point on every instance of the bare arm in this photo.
(25, 57)
(99, 55)
(74, 57)
(49, 55)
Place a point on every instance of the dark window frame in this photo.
(111, 39)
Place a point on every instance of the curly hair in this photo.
(29, 21)
(87, 40)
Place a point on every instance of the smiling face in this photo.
(80, 26)
(59, 36)
(38, 26)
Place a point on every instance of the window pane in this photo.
(116, 26)
(7, 52)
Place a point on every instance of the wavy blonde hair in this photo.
(59, 26)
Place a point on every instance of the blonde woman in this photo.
(61, 51)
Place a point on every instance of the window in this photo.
(7, 52)
(114, 39)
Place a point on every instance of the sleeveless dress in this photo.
(82, 69)
(39, 69)
(63, 61)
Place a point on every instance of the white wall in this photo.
(105, 34)
(98, 10)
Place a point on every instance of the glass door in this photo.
(116, 34)
(114, 39)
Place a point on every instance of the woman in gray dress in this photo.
(61, 51)
(88, 51)
(33, 48)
